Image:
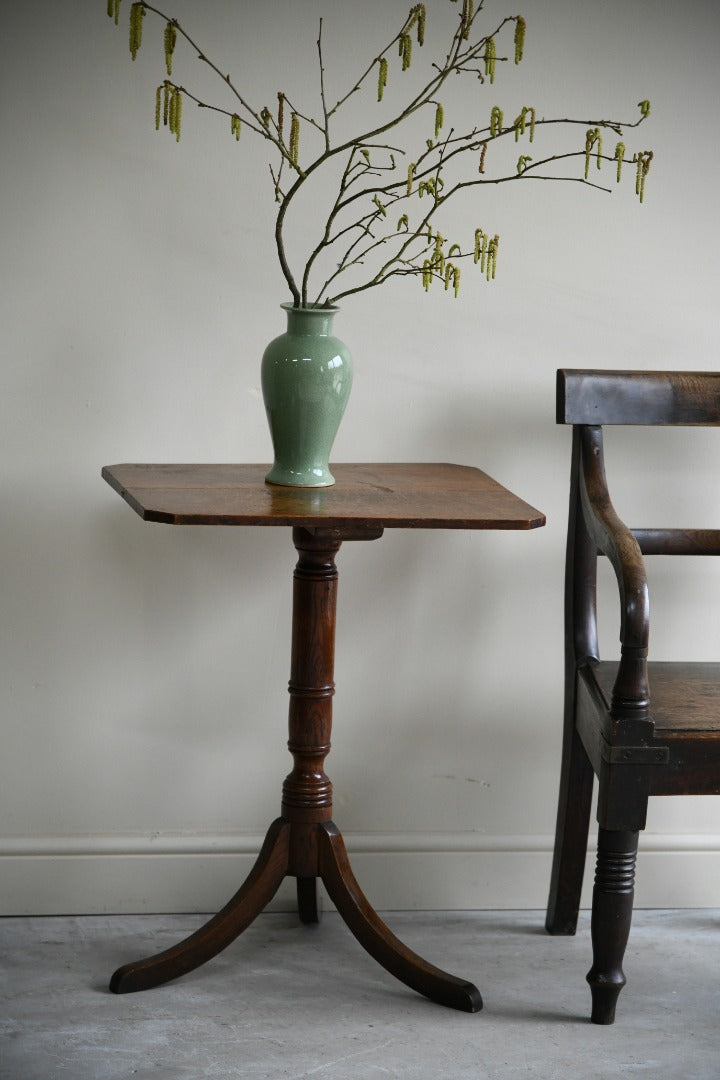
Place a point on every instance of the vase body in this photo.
(306, 380)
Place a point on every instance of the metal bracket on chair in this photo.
(635, 755)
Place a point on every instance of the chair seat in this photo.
(685, 706)
(684, 697)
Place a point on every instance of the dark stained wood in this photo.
(686, 398)
(685, 710)
(378, 940)
(304, 842)
(678, 541)
(307, 900)
(685, 696)
(247, 903)
(576, 772)
(613, 894)
(643, 728)
(615, 540)
(307, 792)
(366, 498)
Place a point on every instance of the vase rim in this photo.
(311, 309)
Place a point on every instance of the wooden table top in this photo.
(408, 496)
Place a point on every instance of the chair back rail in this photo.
(678, 541)
(683, 398)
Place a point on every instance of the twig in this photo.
(370, 185)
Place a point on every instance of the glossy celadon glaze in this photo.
(306, 380)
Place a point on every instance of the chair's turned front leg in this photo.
(611, 916)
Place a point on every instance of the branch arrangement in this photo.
(388, 198)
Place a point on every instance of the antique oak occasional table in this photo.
(304, 842)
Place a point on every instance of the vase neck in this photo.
(317, 321)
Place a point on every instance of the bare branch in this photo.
(360, 226)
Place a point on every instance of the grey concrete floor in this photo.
(286, 1002)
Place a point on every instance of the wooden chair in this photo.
(642, 728)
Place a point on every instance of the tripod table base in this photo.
(333, 868)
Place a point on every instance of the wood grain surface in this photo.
(410, 496)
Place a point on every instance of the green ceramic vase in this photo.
(306, 380)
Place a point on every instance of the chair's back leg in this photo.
(576, 776)
(571, 835)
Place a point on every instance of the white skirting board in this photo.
(123, 875)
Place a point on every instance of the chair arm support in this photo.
(615, 540)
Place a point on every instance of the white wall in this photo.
(144, 668)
